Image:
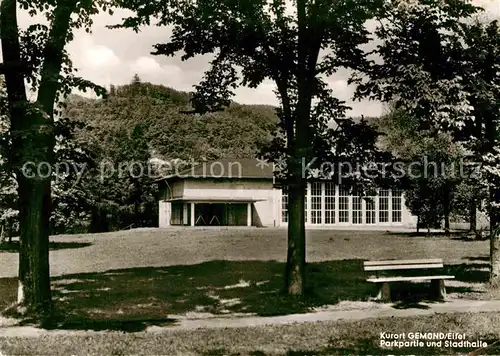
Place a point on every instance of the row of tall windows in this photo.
(329, 203)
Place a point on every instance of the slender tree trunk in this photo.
(296, 256)
(473, 216)
(307, 55)
(494, 240)
(447, 208)
(9, 232)
(495, 255)
(447, 224)
(418, 223)
(95, 221)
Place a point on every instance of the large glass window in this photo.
(316, 203)
(343, 205)
(329, 203)
(383, 206)
(357, 209)
(370, 210)
(305, 203)
(396, 205)
(284, 204)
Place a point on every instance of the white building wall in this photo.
(165, 211)
(259, 190)
(177, 189)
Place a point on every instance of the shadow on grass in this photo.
(133, 299)
(411, 295)
(366, 346)
(8, 292)
(408, 295)
(478, 258)
(469, 272)
(454, 235)
(14, 246)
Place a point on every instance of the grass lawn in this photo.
(129, 280)
(320, 338)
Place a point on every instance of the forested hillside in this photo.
(171, 130)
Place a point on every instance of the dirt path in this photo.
(343, 311)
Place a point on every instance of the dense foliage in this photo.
(433, 162)
(440, 65)
(237, 132)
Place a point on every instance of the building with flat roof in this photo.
(244, 192)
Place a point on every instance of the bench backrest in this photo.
(402, 264)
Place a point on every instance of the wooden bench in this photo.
(438, 289)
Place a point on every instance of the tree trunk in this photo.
(296, 256)
(33, 142)
(34, 285)
(447, 224)
(10, 231)
(418, 223)
(446, 208)
(473, 216)
(307, 56)
(494, 240)
(34, 276)
(495, 256)
(94, 221)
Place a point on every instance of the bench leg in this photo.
(384, 293)
(438, 289)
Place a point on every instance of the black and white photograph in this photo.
(249, 177)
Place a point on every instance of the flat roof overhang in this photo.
(206, 177)
(213, 200)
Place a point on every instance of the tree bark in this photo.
(307, 55)
(296, 257)
(34, 275)
(447, 224)
(10, 232)
(473, 216)
(495, 256)
(494, 240)
(446, 208)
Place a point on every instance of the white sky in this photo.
(113, 56)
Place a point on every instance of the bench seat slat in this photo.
(402, 279)
(402, 262)
(396, 267)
